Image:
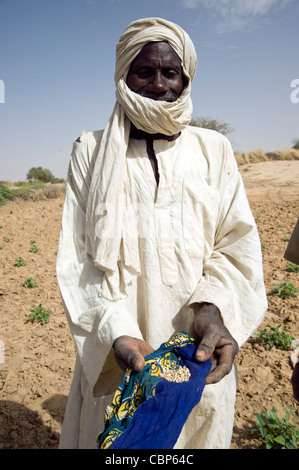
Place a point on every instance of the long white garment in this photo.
(198, 242)
(111, 250)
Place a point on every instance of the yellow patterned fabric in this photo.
(138, 388)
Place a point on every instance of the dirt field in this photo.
(37, 360)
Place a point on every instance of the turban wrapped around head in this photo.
(141, 32)
(154, 117)
(112, 251)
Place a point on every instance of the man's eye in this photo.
(171, 73)
(144, 73)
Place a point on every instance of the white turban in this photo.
(114, 252)
(149, 115)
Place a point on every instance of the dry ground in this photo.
(37, 360)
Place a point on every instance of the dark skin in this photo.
(156, 73)
(295, 382)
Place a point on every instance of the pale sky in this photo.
(57, 64)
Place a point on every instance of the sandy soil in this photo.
(37, 360)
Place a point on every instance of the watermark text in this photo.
(2, 91)
(295, 92)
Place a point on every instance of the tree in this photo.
(296, 144)
(41, 174)
(209, 123)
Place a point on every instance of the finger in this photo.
(136, 361)
(224, 365)
(205, 349)
(218, 373)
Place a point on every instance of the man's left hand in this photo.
(216, 342)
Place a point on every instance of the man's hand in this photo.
(216, 342)
(130, 352)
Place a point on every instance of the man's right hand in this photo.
(130, 352)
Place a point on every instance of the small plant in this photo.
(285, 290)
(30, 283)
(6, 239)
(258, 218)
(33, 248)
(275, 337)
(39, 314)
(277, 432)
(293, 268)
(20, 262)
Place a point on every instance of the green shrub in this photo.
(296, 144)
(33, 248)
(293, 268)
(30, 190)
(274, 337)
(40, 314)
(285, 290)
(6, 194)
(20, 262)
(277, 432)
(39, 173)
(30, 283)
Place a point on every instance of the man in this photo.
(157, 237)
(292, 254)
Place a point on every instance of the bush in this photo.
(208, 123)
(296, 144)
(285, 290)
(41, 174)
(293, 268)
(39, 314)
(6, 194)
(29, 190)
(275, 337)
(30, 282)
(277, 432)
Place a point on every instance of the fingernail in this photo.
(200, 355)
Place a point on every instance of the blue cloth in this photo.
(149, 412)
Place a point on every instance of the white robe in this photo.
(199, 243)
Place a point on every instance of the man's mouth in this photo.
(168, 96)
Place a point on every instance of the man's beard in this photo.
(169, 96)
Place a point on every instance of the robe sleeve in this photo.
(94, 322)
(233, 277)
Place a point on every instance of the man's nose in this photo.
(159, 82)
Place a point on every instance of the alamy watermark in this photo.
(295, 92)
(2, 91)
(2, 352)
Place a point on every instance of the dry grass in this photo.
(284, 154)
(259, 155)
(46, 192)
(30, 192)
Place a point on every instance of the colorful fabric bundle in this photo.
(148, 411)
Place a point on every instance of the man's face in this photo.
(156, 73)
